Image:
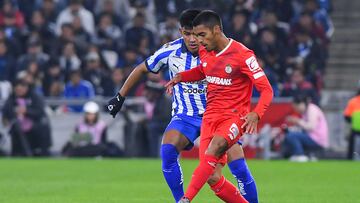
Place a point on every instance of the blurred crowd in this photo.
(87, 48)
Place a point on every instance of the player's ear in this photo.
(180, 30)
(216, 29)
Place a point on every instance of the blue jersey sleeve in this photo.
(159, 59)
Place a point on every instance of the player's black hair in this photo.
(187, 16)
(208, 18)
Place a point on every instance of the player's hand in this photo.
(250, 124)
(115, 104)
(169, 86)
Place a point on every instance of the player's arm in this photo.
(133, 78)
(152, 64)
(194, 74)
(251, 68)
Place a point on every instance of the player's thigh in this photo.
(176, 138)
(230, 129)
(181, 132)
(235, 152)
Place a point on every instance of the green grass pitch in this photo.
(139, 180)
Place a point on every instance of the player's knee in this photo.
(175, 138)
(235, 152)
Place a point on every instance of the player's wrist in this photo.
(119, 97)
(257, 114)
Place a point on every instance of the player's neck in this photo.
(222, 43)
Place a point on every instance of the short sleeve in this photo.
(159, 59)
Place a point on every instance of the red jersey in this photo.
(231, 75)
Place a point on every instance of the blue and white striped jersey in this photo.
(188, 98)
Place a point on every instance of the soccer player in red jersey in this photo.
(231, 71)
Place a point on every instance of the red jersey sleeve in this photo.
(251, 68)
(194, 74)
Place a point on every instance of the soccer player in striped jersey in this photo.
(189, 100)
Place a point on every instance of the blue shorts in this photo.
(189, 126)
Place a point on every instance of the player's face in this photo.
(205, 36)
(190, 40)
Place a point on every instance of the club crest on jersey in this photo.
(228, 69)
(204, 64)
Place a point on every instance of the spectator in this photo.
(118, 9)
(5, 89)
(78, 88)
(29, 126)
(69, 61)
(13, 45)
(75, 8)
(39, 25)
(320, 16)
(53, 79)
(129, 60)
(308, 54)
(352, 116)
(170, 27)
(283, 9)
(246, 6)
(96, 73)
(90, 136)
(270, 21)
(108, 34)
(7, 68)
(48, 9)
(34, 54)
(297, 85)
(239, 28)
(111, 8)
(10, 16)
(157, 109)
(313, 130)
(117, 81)
(82, 36)
(138, 35)
(307, 23)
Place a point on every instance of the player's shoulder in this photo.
(241, 48)
(173, 45)
(242, 52)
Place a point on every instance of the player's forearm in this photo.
(133, 78)
(266, 96)
(192, 75)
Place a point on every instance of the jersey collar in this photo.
(227, 46)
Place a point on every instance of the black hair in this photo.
(301, 98)
(187, 16)
(208, 18)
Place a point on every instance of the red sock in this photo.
(227, 191)
(201, 174)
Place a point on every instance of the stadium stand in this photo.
(45, 42)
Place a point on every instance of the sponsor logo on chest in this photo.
(218, 80)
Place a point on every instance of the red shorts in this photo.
(227, 127)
